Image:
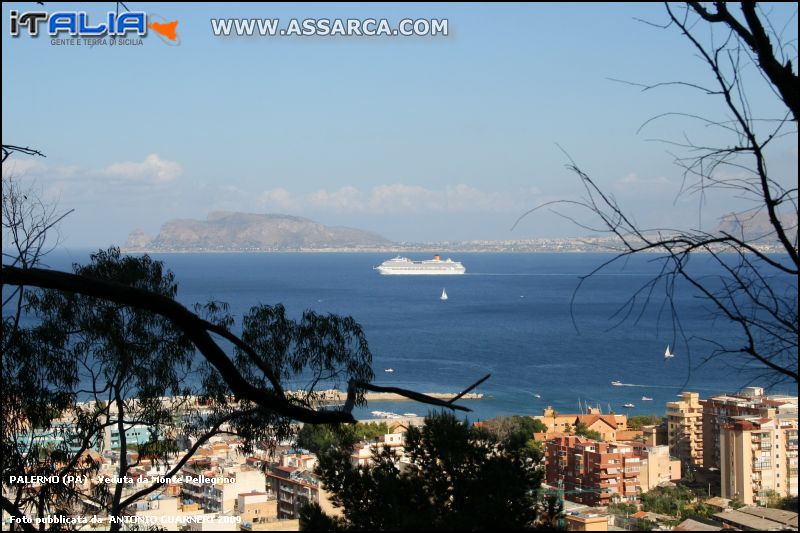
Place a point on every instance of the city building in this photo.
(751, 518)
(685, 429)
(257, 507)
(591, 472)
(758, 456)
(658, 467)
(166, 513)
(364, 452)
(724, 408)
(296, 487)
(611, 427)
(217, 490)
(586, 521)
(655, 435)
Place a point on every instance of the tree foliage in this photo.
(457, 477)
(516, 433)
(639, 421)
(76, 366)
(673, 501)
(582, 430)
(317, 438)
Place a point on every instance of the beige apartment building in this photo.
(747, 403)
(217, 490)
(757, 456)
(658, 467)
(685, 429)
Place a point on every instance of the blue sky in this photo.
(417, 138)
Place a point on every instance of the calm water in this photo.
(509, 316)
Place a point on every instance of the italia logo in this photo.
(77, 24)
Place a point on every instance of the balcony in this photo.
(762, 466)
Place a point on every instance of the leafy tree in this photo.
(673, 501)
(622, 509)
(458, 477)
(701, 510)
(516, 433)
(82, 365)
(774, 500)
(318, 437)
(112, 334)
(582, 430)
(736, 504)
(789, 503)
(638, 422)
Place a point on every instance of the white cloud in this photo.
(402, 198)
(278, 198)
(634, 179)
(345, 199)
(397, 197)
(152, 170)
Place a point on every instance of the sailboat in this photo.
(668, 354)
(444, 295)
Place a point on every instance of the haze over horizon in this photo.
(417, 139)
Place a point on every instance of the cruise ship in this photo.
(404, 266)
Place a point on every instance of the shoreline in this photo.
(335, 396)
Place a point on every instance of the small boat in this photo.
(628, 405)
(646, 399)
(617, 383)
(444, 295)
(668, 354)
(389, 370)
(537, 395)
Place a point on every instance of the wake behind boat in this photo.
(403, 266)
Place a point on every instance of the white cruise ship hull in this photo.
(402, 266)
(392, 272)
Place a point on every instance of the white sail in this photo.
(444, 295)
(668, 354)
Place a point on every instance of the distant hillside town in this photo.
(225, 231)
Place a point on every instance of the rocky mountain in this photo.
(231, 231)
(755, 226)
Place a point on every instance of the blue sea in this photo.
(517, 317)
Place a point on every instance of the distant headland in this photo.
(227, 231)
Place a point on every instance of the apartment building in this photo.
(591, 472)
(563, 423)
(364, 452)
(217, 490)
(257, 507)
(658, 467)
(685, 429)
(725, 408)
(167, 513)
(294, 488)
(757, 456)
